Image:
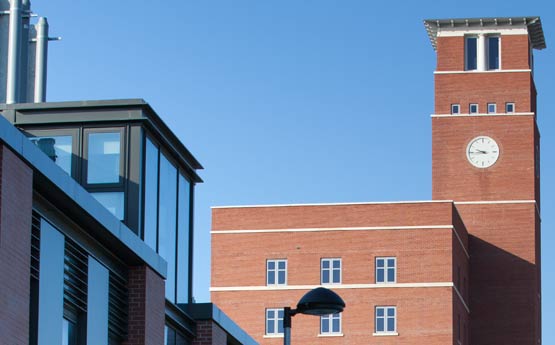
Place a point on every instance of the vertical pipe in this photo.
(287, 313)
(40, 60)
(13, 51)
(481, 51)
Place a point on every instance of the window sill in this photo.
(385, 334)
(273, 336)
(325, 335)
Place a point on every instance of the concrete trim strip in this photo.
(337, 204)
(372, 228)
(491, 71)
(495, 202)
(482, 115)
(334, 287)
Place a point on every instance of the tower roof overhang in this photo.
(533, 24)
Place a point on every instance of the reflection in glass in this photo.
(69, 333)
(183, 250)
(58, 148)
(113, 201)
(167, 221)
(103, 158)
(151, 194)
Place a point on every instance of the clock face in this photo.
(482, 152)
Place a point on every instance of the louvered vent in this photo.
(35, 246)
(75, 276)
(118, 307)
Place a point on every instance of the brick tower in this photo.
(485, 157)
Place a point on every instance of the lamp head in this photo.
(320, 301)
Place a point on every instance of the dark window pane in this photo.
(167, 221)
(183, 244)
(471, 53)
(336, 276)
(493, 52)
(281, 265)
(103, 158)
(325, 324)
(58, 148)
(379, 325)
(391, 275)
(391, 324)
(271, 278)
(336, 325)
(390, 311)
(325, 264)
(325, 276)
(380, 263)
(151, 194)
(271, 265)
(336, 264)
(280, 326)
(391, 262)
(380, 277)
(380, 312)
(281, 277)
(113, 201)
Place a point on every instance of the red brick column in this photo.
(146, 307)
(16, 201)
(209, 333)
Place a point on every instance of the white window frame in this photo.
(330, 318)
(507, 107)
(470, 108)
(330, 270)
(494, 111)
(275, 320)
(385, 269)
(275, 272)
(457, 106)
(385, 319)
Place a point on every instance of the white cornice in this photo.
(336, 204)
(482, 115)
(486, 72)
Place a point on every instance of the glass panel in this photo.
(337, 264)
(167, 221)
(380, 277)
(471, 53)
(336, 276)
(151, 194)
(391, 262)
(325, 276)
(183, 245)
(325, 264)
(170, 336)
(380, 312)
(390, 311)
(379, 325)
(391, 324)
(103, 158)
(280, 321)
(380, 262)
(271, 265)
(113, 201)
(336, 325)
(69, 333)
(58, 148)
(281, 265)
(271, 277)
(325, 324)
(493, 52)
(391, 275)
(281, 277)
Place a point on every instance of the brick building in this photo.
(463, 268)
(96, 217)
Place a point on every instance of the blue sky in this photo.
(288, 101)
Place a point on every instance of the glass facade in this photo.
(103, 157)
(183, 239)
(113, 201)
(150, 193)
(58, 147)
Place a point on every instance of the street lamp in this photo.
(319, 301)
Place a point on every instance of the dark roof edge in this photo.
(155, 119)
(535, 30)
(31, 154)
(209, 311)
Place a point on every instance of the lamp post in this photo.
(319, 301)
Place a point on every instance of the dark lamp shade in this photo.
(320, 301)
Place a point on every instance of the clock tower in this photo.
(485, 157)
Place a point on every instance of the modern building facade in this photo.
(463, 268)
(96, 228)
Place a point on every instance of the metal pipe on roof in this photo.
(41, 55)
(13, 51)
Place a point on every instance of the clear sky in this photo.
(288, 101)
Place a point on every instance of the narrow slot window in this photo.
(455, 109)
(492, 108)
(471, 53)
(473, 108)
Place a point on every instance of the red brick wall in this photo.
(16, 198)
(483, 88)
(209, 333)
(504, 272)
(146, 307)
(450, 53)
(329, 216)
(510, 178)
